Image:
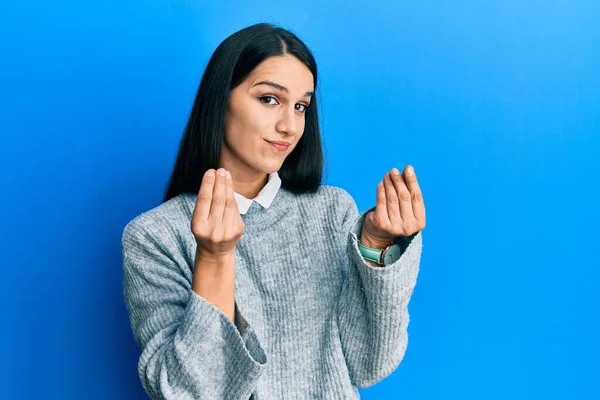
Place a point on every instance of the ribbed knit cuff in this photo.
(387, 291)
(244, 356)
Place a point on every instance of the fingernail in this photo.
(410, 171)
(228, 175)
(395, 171)
(210, 172)
(221, 172)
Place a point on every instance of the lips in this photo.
(279, 145)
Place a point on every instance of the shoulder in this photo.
(169, 219)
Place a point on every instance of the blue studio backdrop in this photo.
(495, 103)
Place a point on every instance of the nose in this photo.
(288, 123)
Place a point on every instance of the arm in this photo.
(373, 306)
(190, 348)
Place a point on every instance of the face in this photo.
(269, 106)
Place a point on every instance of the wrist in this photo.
(210, 257)
(374, 243)
(215, 266)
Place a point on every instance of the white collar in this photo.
(264, 197)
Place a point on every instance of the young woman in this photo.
(252, 279)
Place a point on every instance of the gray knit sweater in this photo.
(313, 320)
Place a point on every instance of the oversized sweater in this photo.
(312, 320)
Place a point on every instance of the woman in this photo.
(252, 279)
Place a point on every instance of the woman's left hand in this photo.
(400, 210)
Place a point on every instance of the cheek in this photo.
(264, 120)
(249, 126)
(256, 120)
(302, 125)
(240, 120)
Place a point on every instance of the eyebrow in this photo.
(280, 88)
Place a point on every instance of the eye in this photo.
(303, 107)
(268, 100)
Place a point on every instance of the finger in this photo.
(392, 202)
(410, 177)
(202, 209)
(381, 214)
(403, 194)
(230, 204)
(218, 198)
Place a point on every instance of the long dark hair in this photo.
(233, 60)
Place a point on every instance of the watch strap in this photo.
(369, 253)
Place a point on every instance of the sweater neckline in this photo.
(257, 217)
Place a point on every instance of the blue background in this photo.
(495, 103)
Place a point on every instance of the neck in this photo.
(246, 181)
(249, 186)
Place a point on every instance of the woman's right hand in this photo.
(216, 221)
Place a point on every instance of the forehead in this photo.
(285, 70)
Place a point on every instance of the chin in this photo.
(270, 168)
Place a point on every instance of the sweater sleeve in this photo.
(373, 306)
(190, 349)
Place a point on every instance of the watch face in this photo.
(392, 254)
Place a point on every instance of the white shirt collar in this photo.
(264, 197)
